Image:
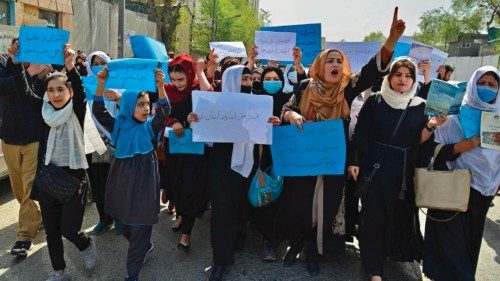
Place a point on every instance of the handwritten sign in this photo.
(359, 53)
(437, 57)
(132, 74)
(228, 49)
(308, 39)
(275, 45)
(145, 47)
(444, 98)
(319, 150)
(184, 144)
(41, 45)
(232, 118)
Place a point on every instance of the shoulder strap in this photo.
(399, 122)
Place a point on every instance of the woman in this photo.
(229, 196)
(187, 173)
(325, 96)
(452, 248)
(133, 185)
(62, 144)
(389, 218)
(263, 217)
(99, 166)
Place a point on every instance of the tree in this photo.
(439, 26)
(166, 16)
(376, 36)
(224, 20)
(264, 18)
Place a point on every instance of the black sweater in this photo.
(22, 117)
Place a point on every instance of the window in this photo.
(50, 17)
(478, 41)
(4, 12)
(464, 45)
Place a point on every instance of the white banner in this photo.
(228, 49)
(275, 45)
(232, 118)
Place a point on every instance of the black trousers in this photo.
(228, 222)
(98, 174)
(63, 220)
(187, 224)
(139, 239)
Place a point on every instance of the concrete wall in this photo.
(95, 27)
(465, 66)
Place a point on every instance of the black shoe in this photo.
(21, 248)
(290, 258)
(216, 274)
(184, 248)
(312, 267)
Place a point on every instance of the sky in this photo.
(351, 20)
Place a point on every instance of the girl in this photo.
(187, 173)
(229, 196)
(133, 186)
(64, 111)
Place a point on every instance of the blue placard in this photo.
(470, 121)
(185, 144)
(401, 50)
(42, 45)
(89, 86)
(132, 74)
(319, 150)
(308, 39)
(148, 48)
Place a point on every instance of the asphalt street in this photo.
(168, 263)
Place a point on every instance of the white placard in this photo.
(232, 118)
(275, 45)
(228, 49)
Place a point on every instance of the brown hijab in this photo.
(323, 101)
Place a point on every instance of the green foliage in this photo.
(440, 26)
(234, 20)
(376, 36)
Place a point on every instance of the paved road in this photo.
(168, 263)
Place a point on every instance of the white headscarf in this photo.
(100, 54)
(242, 157)
(110, 106)
(400, 100)
(472, 100)
(288, 88)
(483, 162)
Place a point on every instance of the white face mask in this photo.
(292, 76)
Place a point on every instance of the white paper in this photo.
(275, 45)
(167, 129)
(437, 58)
(359, 53)
(490, 123)
(228, 49)
(232, 118)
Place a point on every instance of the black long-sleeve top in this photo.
(22, 118)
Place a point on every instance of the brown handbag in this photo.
(442, 190)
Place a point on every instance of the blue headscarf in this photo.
(131, 137)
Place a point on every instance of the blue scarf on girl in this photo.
(131, 137)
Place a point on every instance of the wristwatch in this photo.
(429, 129)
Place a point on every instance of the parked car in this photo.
(4, 172)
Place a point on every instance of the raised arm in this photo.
(163, 103)
(98, 108)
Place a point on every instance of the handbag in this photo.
(57, 183)
(364, 181)
(442, 190)
(265, 187)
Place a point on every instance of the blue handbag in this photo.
(265, 188)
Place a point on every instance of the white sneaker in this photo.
(90, 254)
(59, 276)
